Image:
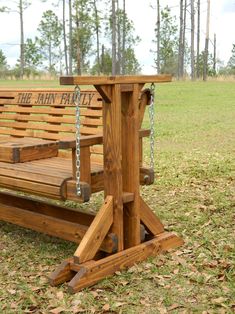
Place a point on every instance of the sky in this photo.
(144, 19)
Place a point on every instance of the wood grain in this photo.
(113, 160)
(130, 164)
(90, 272)
(111, 80)
(96, 233)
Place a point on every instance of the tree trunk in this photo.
(114, 37)
(50, 58)
(158, 36)
(184, 29)
(124, 39)
(79, 62)
(97, 37)
(65, 42)
(118, 41)
(70, 39)
(205, 63)
(198, 36)
(21, 39)
(79, 57)
(102, 59)
(192, 42)
(180, 52)
(214, 57)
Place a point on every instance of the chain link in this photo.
(151, 118)
(77, 97)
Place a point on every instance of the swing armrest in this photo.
(85, 162)
(144, 133)
(90, 140)
(85, 141)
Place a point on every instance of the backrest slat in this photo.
(50, 114)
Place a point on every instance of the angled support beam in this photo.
(149, 219)
(105, 92)
(53, 226)
(96, 233)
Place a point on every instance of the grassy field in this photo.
(194, 195)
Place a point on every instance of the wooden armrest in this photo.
(15, 150)
(144, 132)
(90, 140)
(85, 140)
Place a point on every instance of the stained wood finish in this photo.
(62, 274)
(91, 272)
(130, 164)
(52, 220)
(112, 80)
(113, 159)
(95, 235)
(52, 226)
(45, 208)
(14, 150)
(116, 229)
(48, 114)
(122, 115)
(149, 219)
(41, 177)
(146, 175)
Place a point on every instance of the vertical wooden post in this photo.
(113, 158)
(130, 164)
(120, 215)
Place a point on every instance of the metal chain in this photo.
(151, 118)
(77, 97)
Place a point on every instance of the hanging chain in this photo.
(151, 118)
(77, 97)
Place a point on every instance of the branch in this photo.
(4, 10)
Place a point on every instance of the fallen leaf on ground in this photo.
(106, 307)
(219, 300)
(57, 310)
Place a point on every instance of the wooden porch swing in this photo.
(125, 230)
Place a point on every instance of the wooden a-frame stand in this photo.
(124, 211)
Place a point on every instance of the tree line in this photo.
(98, 37)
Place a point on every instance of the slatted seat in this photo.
(50, 115)
(41, 177)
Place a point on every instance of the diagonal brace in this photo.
(96, 233)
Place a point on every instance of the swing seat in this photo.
(41, 177)
(37, 143)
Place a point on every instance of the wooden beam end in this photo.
(66, 80)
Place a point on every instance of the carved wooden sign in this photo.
(54, 98)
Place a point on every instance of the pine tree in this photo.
(231, 62)
(50, 30)
(168, 43)
(82, 35)
(3, 60)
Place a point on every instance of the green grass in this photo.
(29, 83)
(193, 195)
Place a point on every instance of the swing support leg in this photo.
(89, 273)
(116, 216)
